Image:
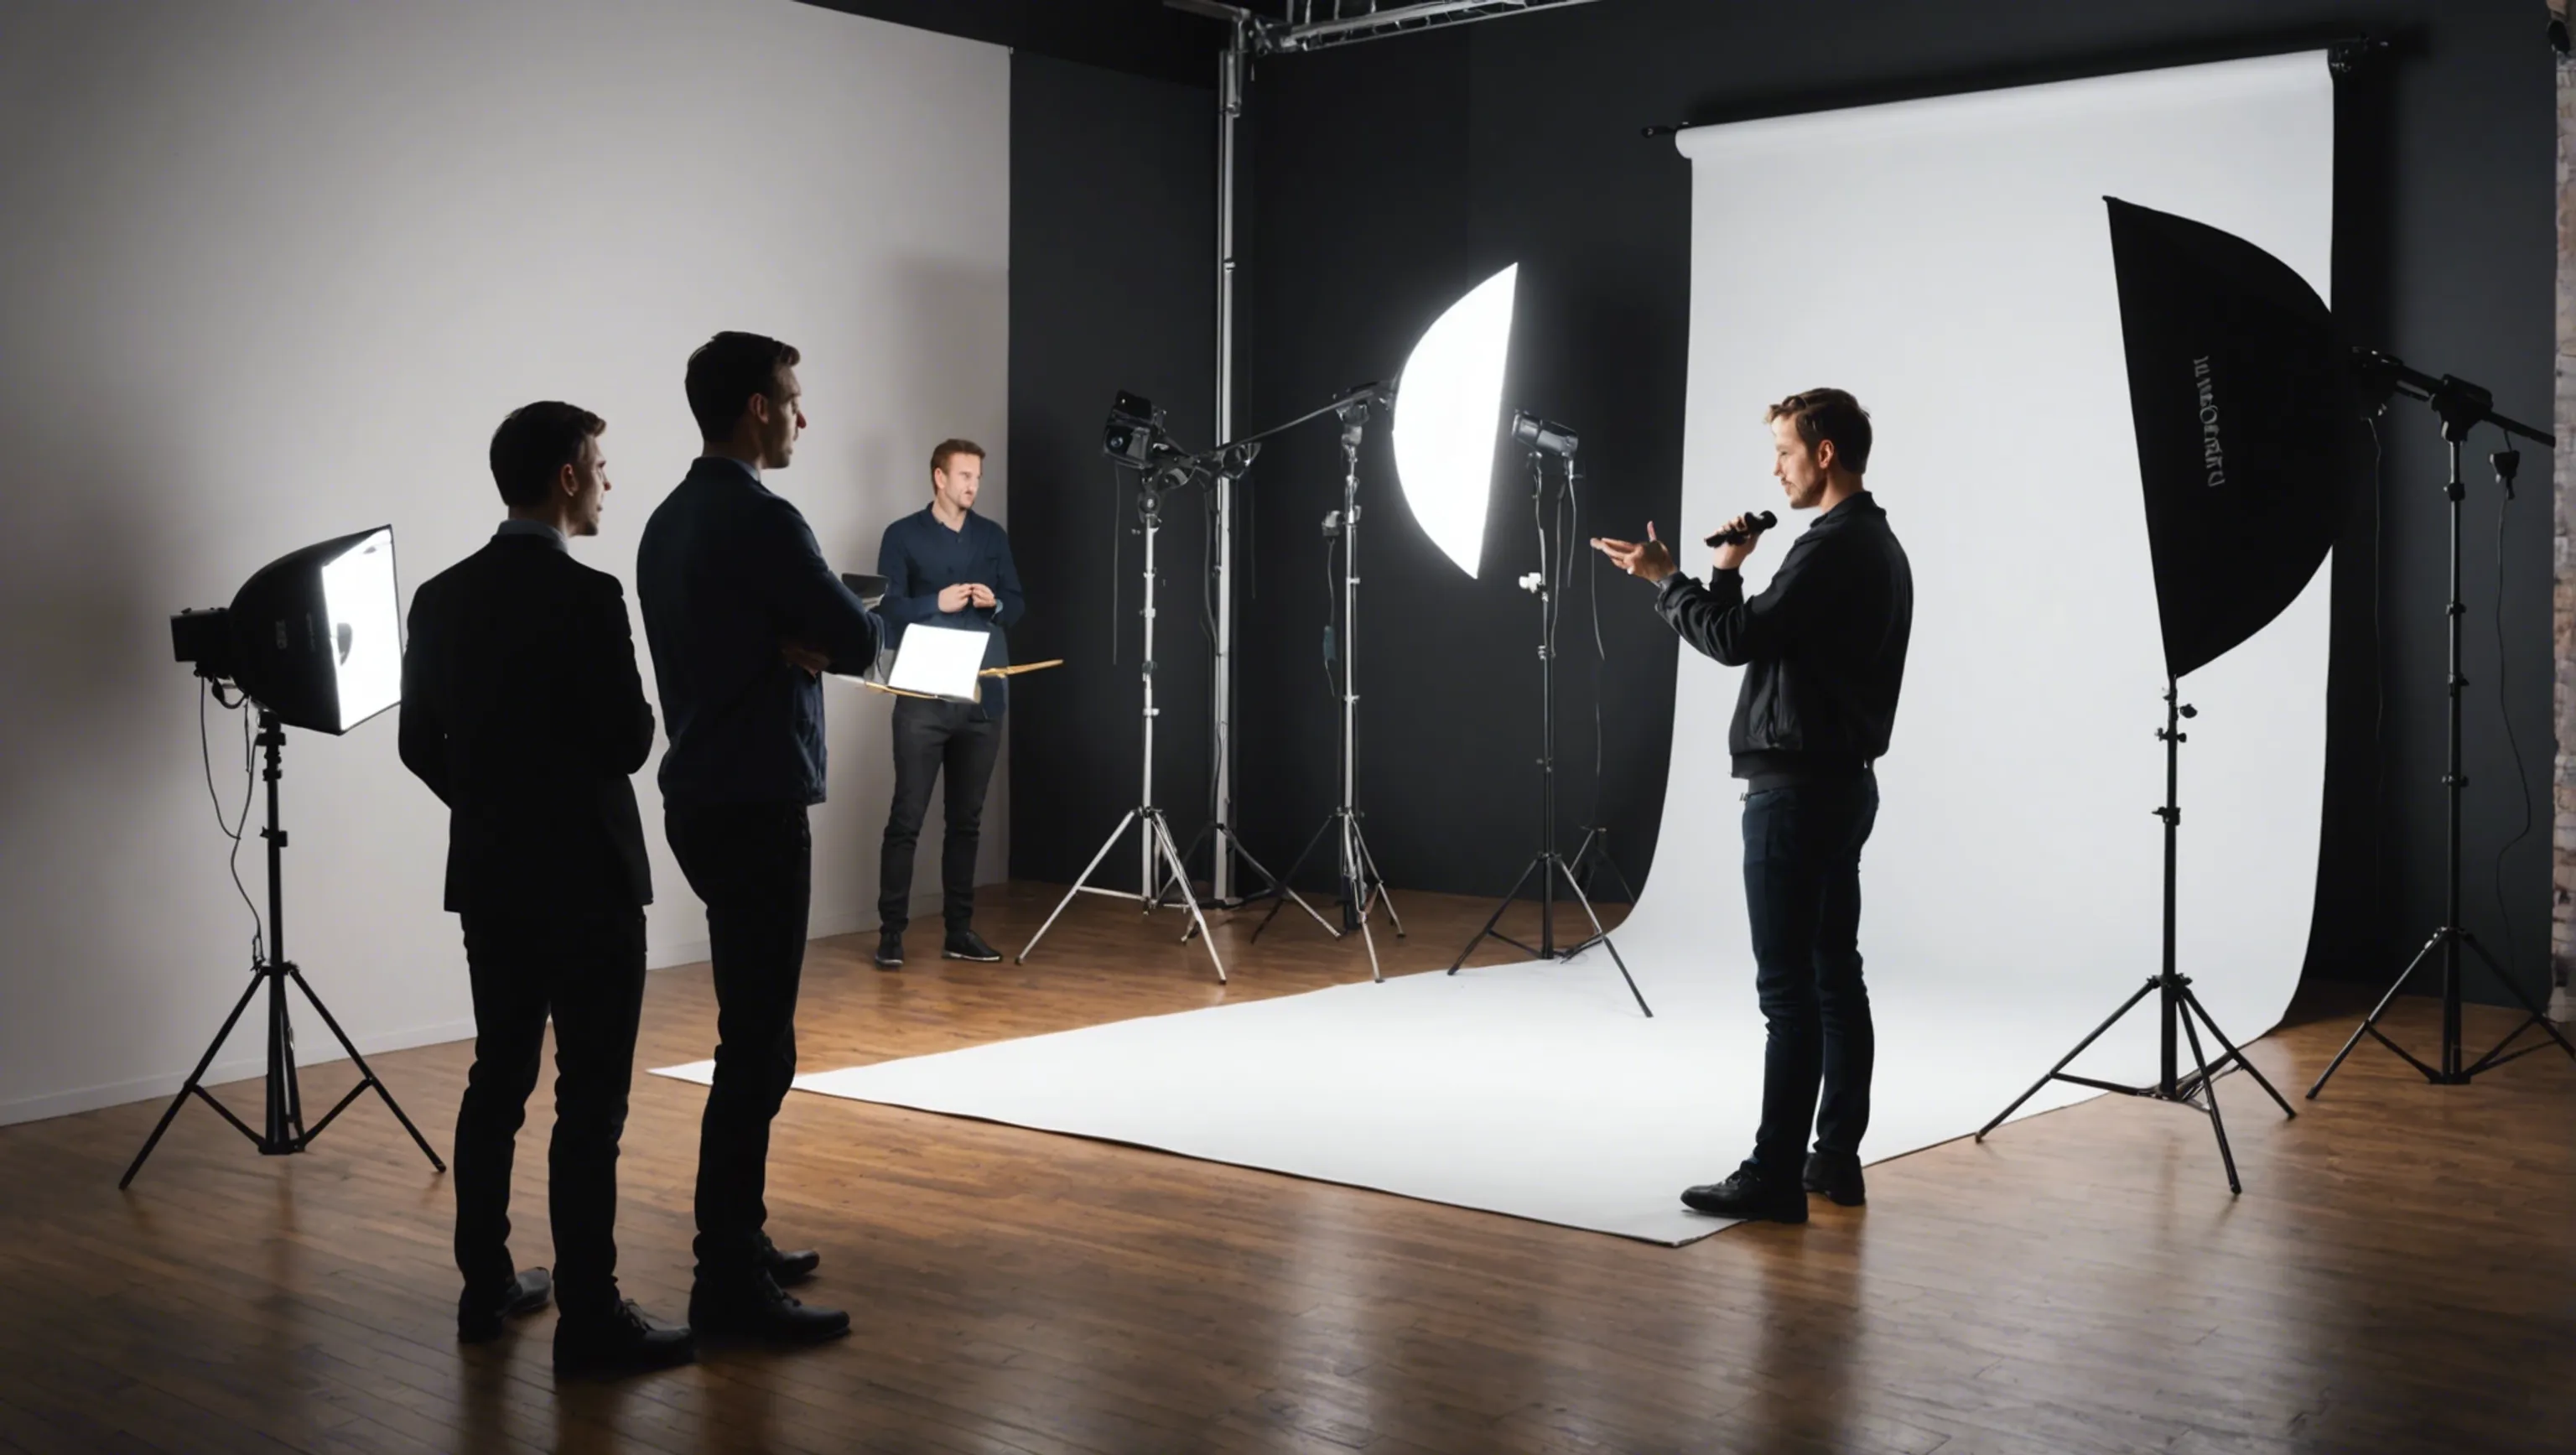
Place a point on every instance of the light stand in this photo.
(282, 1131)
(2462, 406)
(1549, 865)
(2176, 1004)
(1361, 887)
(1157, 854)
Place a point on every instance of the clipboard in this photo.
(942, 664)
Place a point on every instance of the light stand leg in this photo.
(2536, 1017)
(1596, 835)
(367, 1078)
(1275, 887)
(1327, 826)
(1601, 937)
(1496, 917)
(2153, 983)
(2192, 1006)
(190, 1087)
(1161, 834)
(2226, 1155)
(2370, 1025)
(1376, 882)
(1354, 852)
(1084, 878)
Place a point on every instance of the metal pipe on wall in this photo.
(1229, 93)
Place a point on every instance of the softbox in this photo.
(2244, 413)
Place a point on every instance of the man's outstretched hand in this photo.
(1646, 560)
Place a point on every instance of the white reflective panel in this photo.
(366, 628)
(1448, 410)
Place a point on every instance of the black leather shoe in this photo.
(625, 1342)
(787, 1268)
(480, 1312)
(763, 1311)
(1837, 1176)
(889, 949)
(968, 945)
(1748, 1194)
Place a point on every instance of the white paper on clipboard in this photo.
(940, 661)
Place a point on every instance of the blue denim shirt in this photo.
(728, 573)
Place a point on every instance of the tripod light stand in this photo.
(1359, 885)
(2462, 407)
(1549, 865)
(282, 1131)
(1157, 854)
(2176, 1006)
(312, 639)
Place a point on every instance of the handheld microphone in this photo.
(1758, 522)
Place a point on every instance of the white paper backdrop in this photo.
(1948, 262)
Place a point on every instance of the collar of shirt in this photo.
(745, 466)
(930, 513)
(541, 530)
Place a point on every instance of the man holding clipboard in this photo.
(945, 566)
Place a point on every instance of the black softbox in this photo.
(2245, 414)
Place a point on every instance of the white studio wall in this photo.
(1948, 261)
(273, 272)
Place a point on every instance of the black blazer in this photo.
(522, 710)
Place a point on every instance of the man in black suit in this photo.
(742, 613)
(523, 712)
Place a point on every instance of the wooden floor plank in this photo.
(2396, 1278)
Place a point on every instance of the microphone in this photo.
(1760, 521)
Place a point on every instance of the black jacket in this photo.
(727, 573)
(1823, 645)
(522, 710)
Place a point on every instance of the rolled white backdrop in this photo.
(1948, 262)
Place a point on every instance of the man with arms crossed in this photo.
(945, 566)
(1823, 648)
(523, 713)
(741, 612)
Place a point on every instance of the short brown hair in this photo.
(726, 371)
(1828, 414)
(534, 444)
(940, 456)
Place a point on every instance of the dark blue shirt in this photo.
(728, 573)
(921, 557)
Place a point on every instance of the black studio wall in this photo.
(1384, 179)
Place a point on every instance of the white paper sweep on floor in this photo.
(1532, 1090)
(1959, 280)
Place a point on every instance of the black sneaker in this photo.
(1837, 1176)
(480, 1312)
(1749, 1194)
(625, 1342)
(889, 949)
(761, 1310)
(967, 945)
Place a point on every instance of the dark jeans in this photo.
(587, 971)
(753, 864)
(929, 737)
(1802, 848)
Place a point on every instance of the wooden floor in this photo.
(2399, 1276)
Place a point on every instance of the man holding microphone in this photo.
(1823, 648)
